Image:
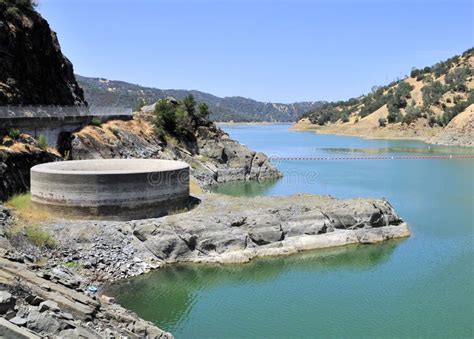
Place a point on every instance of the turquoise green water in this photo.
(422, 286)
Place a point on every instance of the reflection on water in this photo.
(421, 287)
(165, 296)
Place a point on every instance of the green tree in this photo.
(456, 79)
(190, 105)
(403, 90)
(394, 114)
(204, 111)
(165, 116)
(432, 93)
(412, 113)
(182, 119)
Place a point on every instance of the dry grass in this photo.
(194, 187)
(24, 209)
(28, 217)
(39, 236)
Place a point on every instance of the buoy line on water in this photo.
(414, 157)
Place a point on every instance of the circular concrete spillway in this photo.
(111, 189)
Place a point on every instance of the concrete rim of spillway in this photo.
(109, 166)
(112, 189)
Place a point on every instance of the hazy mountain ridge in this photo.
(102, 92)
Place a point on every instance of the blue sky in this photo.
(280, 51)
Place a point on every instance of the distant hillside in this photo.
(101, 92)
(419, 106)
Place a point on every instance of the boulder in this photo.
(7, 302)
(18, 321)
(49, 305)
(42, 323)
(266, 235)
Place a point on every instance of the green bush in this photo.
(456, 79)
(190, 105)
(420, 77)
(412, 113)
(394, 114)
(42, 142)
(165, 118)
(450, 113)
(14, 133)
(96, 122)
(203, 110)
(12, 12)
(182, 119)
(432, 93)
(382, 122)
(115, 131)
(403, 90)
(179, 117)
(39, 236)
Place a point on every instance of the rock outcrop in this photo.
(58, 298)
(213, 156)
(33, 307)
(224, 229)
(15, 163)
(33, 71)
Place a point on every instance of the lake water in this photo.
(421, 286)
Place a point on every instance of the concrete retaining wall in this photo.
(113, 189)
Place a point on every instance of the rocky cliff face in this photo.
(213, 156)
(15, 164)
(33, 71)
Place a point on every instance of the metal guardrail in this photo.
(12, 112)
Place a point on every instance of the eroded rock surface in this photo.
(213, 156)
(56, 298)
(225, 229)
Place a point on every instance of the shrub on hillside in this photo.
(14, 133)
(203, 109)
(42, 142)
(432, 93)
(382, 122)
(451, 112)
(412, 113)
(439, 69)
(394, 114)
(96, 122)
(403, 90)
(456, 79)
(179, 117)
(420, 77)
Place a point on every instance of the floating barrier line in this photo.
(408, 157)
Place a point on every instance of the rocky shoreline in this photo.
(222, 229)
(458, 133)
